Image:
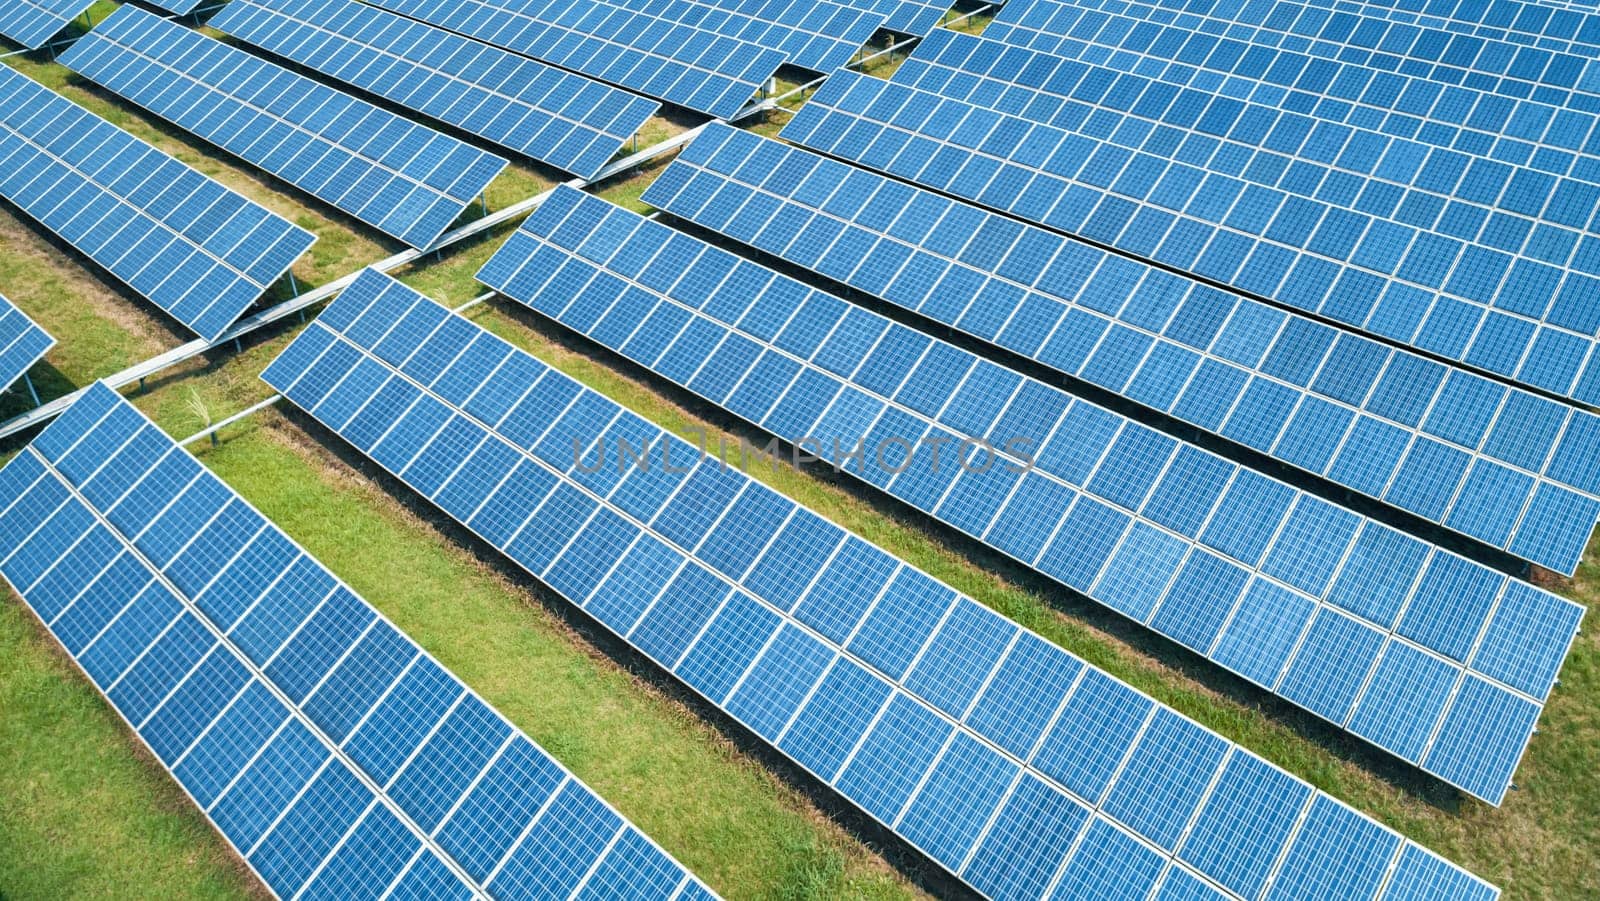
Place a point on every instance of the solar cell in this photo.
(1491, 462)
(31, 23)
(335, 755)
(188, 245)
(857, 711)
(1443, 56)
(22, 343)
(609, 273)
(814, 34)
(406, 180)
(1422, 272)
(690, 67)
(540, 111)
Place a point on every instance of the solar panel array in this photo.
(1441, 57)
(22, 343)
(1508, 19)
(334, 754)
(1515, 470)
(814, 34)
(1004, 758)
(31, 23)
(540, 111)
(696, 69)
(1400, 262)
(1141, 37)
(1429, 656)
(188, 245)
(401, 178)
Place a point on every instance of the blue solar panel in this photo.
(33, 22)
(730, 629)
(403, 179)
(188, 245)
(913, 17)
(22, 343)
(1442, 56)
(687, 66)
(1200, 185)
(177, 7)
(1254, 537)
(338, 758)
(1503, 19)
(555, 117)
(814, 34)
(1469, 118)
(1372, 417)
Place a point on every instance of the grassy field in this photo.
(84, 812)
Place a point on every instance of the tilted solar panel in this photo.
(1512, 469)
(1469, 118)
(1507, 204)
(1511, 21)
(22, 343)
(1514, 211)
(696, 69)
(31, 23)
(1007, 760)
(406, 180)
(820, 36)
(1190, 200)
(913, 17)
(187, 244)
(540, 111)
(1441, 56)
(335, 755)
(1243, 569)
(177, 7)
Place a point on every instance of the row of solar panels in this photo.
(336, 756)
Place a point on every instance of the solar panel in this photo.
(1193, 546)
(1469, 114)
(33, 22)
(1474, 114)
(1141, 187)
(1439, 56)
(696, 69)
(912, 17)
(1504, 197)
(187, 244)
(177, 7)
(540, 111)
(22, 343)
(335, 755)
(1513, 22)
(403, 179)
(1507, 467)
(1010, 762)
(813, 34)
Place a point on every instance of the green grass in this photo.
(84, 813)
